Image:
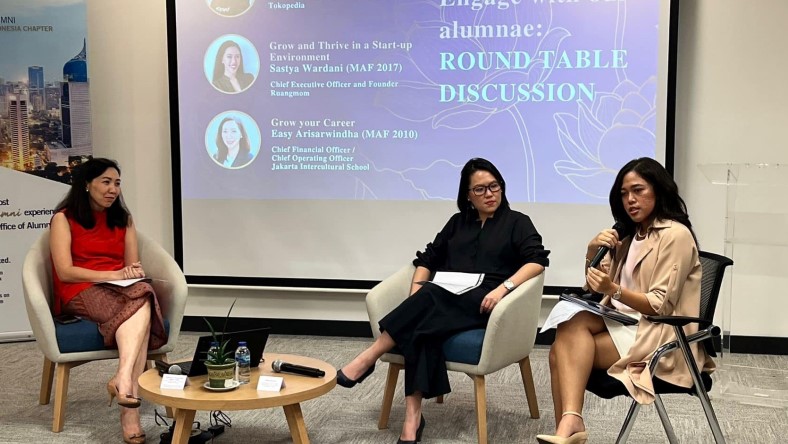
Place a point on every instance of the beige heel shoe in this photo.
(575, 438)
(127, 401)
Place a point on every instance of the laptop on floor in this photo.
(255, 341)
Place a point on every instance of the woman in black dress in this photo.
(486, 236)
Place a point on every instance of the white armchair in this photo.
(508, 339)
(169, 284)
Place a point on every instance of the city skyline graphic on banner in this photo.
(45, 112)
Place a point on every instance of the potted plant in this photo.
(219, 361)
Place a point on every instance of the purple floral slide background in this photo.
(559, 151)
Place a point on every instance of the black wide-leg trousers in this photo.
(420, 325)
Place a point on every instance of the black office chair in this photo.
(605, 386)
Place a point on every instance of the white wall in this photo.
(127, 54)
(731, 108)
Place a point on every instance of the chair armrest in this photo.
(168, 282)
(677, 321)
(387, 295)
(37, 288)
(511, 330)
(701, 335)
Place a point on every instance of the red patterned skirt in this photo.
(110, 306)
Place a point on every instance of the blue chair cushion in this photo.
(83, 336)
(464, 347)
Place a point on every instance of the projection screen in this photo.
(319, 142)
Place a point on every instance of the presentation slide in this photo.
(323, 139)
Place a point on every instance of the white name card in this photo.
(173, 382)
(270, 383)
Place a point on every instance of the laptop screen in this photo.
(255, 341)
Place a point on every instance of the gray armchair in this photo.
(508, 339)
(169, 284)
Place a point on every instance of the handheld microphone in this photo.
(603, 250)
(177, 370)
(173, 369)
(279, 366)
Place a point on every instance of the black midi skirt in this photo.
(420, 325)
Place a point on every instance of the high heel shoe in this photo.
(419, 431)
(131, 437)
(128, 401)
(575, 438)
(134, 439)
(346, 382)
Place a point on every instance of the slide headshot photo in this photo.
(232, 139)
(231, 64)
(230, 8)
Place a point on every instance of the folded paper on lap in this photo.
(457, 282)
(125, 282)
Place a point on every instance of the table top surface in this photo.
(195, 397)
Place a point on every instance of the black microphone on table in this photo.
(603, 250)
(279, 366)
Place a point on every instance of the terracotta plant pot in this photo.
(218, 374)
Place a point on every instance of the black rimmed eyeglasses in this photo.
(479, 190)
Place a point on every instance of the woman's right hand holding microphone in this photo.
(598, 280)
(606, 238)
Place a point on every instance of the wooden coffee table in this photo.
(246, 397)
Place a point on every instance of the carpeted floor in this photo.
(350, 416)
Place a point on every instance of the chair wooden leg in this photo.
(388, 395)
(47, 374)
(481, 407)
(530, 389)
(61, 395)
(439, 399)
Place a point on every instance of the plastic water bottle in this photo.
(243, 370)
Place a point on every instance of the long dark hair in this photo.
(218, 66)
(77, 201)
(668, 203)
(243, 144)
(472, 166)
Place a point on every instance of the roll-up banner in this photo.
(45, 131)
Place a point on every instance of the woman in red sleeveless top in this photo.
(93, 239)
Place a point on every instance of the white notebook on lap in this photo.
(456, 282)
(125, 282)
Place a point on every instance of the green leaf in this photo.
(221, 355)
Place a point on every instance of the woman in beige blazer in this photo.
(654, 271)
